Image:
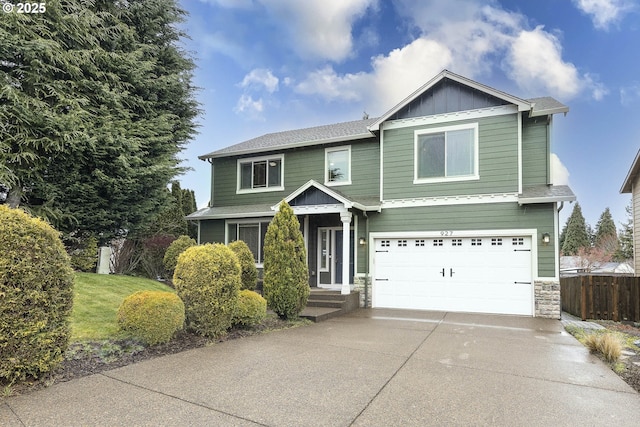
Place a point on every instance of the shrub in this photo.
(286, 275)
(84, 256)
(176, 247)
(36, 296)
(152, 316)
(207, 278)
(606, 344)
(153, 251)
(249, 272)
(252, 309)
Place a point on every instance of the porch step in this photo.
(324, 304)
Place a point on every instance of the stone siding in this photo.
(360, 282)
(547, 299)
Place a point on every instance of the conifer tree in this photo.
(286, 275)
(576, 236)
(606, 235)
(625, 251)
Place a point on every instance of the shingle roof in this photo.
(546, 194)
(241, 211)
(337, 132)
(546, 105)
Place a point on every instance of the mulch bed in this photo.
(87, 358)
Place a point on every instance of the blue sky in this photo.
(274, 65)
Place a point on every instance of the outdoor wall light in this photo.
(362, 241)
(546, 238)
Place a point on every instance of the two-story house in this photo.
(444, 202)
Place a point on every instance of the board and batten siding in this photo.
(493, 216)
(535, 151)
(498, 161)
(301, 165)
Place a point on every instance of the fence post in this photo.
(583, 299)
(615, 298)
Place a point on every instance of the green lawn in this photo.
(96, 301)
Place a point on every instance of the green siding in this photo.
(495, 216)
(535, 155)
(212, 231)
(498, 161)
(301, 165)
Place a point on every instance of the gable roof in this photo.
(366, 128)
(346, 131)
(627, 187)
(535, 106)
(364, 204)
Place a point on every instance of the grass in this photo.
(96, 301)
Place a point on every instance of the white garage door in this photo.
(465, 274)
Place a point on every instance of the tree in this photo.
(606, 235)
(625, 250)
(286, 275)
(576, 236)
(97, 106)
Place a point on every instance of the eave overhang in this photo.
(627, 187)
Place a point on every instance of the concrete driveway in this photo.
(373, 367)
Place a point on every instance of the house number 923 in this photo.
(446, 233)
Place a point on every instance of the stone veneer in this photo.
(359, 285)
(547, 299)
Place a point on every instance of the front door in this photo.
(330, 256)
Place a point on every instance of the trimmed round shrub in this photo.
(252, 309)
(286, 275)
(152, 316)
(249, 274)
(176, 247)
(36, 296)
(207, 278)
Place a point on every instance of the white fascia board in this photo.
(236, 215)
(318, 209)
(521, 104)
(472, 199)
(313, 183)
(552, 199)
(451, 117)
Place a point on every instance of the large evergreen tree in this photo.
(576, 236)
(625, 251)
(606, 235)
(98, 105)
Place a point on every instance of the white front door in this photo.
(465, 274)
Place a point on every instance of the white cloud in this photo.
(249, 107)
(260, 77)
(319, 30)
(559, 173)
(604, 12)
(630, 94)
(331, 86)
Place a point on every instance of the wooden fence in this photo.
(614, 298)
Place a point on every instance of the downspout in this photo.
(366, 257)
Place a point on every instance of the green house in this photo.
(444, 203)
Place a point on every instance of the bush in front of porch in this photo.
(286, 275)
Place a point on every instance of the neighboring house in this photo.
(572, 265)
(443, 203)
(632, 185)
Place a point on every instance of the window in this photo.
(456, 242)
(324, 250)
(446, 154)
(337, 166)
(252, 233)
(260, 174)
(402, 243)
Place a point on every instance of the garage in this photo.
(482, 274)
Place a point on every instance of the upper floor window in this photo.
(260, 174)
(337, 166)
(446, 154)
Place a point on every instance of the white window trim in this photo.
(418, 133)
(251, 221)
(326, 164)
(258, 159)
